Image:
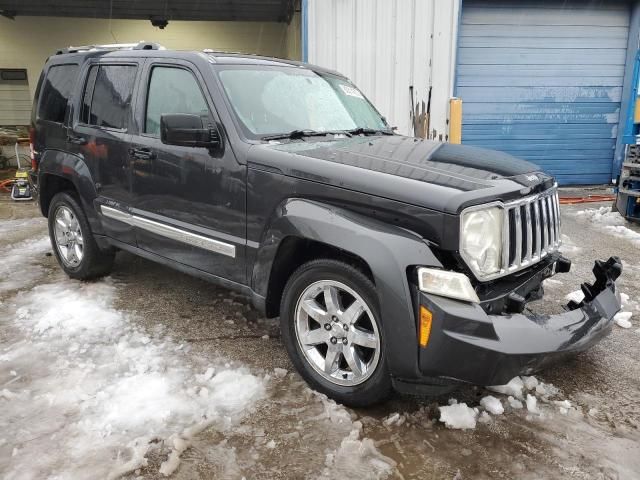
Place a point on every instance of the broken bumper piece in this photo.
(469, 346)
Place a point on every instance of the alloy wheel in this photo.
(68, 236)
(337, 332)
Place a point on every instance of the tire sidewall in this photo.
(375, 388)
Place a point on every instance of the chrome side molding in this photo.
(171, 232)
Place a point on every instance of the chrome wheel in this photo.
(337, 332)
(68, 236)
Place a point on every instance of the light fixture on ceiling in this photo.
(159, 22)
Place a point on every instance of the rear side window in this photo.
(56, 91)
(106, 101)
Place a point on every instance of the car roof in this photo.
(80, 54)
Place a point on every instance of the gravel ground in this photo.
(290, 432)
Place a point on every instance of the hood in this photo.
(432, 174)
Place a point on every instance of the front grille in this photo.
(531, 230)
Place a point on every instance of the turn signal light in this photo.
(425, 326)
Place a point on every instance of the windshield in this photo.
(271, 100)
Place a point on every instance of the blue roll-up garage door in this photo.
(542, 80)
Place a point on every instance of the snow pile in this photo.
(459, 416)
(622, 319)
(357, 459)
(19, 267)
(492, 405)
(602, 215)
(568, 246)
(610, 222)
(92, 394)
(532, 404)
(577, 296)
(513, 388)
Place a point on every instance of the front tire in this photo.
(73, 244)
(330, 323)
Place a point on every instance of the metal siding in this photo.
(15, 104)
(543, 80)
(385, 46)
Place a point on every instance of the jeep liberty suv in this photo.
(393, 262)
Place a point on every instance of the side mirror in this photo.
(187, 130)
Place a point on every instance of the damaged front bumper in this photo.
(467, 345)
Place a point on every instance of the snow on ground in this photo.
(610, 222)
(459, 415)
(357, 458)
(85, 394)
(9, 226)
(520, 392)
(19, 265)
(568, 246)
(492, 405)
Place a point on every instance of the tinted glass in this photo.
(88, 92)
(56, 91)
(172, 90)
(269, 100)
(111, 100)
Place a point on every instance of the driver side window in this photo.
(172, 90)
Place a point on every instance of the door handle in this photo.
(142, 153)
(76, 139)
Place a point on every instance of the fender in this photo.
(387, 249)
(73, 168)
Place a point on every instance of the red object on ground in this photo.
(4, 183)
(587, 199)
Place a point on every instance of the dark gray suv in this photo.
(392, 262)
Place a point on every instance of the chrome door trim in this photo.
(173, 233)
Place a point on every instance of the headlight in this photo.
(481, 240)
(447, 284)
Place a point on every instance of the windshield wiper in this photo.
(369, 131)
(296, 134)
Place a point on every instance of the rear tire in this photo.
(338, 348)
(73, 244)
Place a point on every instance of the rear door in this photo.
(99, 134)
(51, 107)
(189, 202)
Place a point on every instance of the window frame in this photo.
(70, 100)
(144, 96)
(80, 101)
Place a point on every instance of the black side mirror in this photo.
(187, 130)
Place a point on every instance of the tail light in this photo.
(32, 151)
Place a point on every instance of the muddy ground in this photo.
(292, 433)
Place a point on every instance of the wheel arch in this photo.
(60, 171)
(382, 251)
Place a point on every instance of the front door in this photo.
(189, 202)
(99, 134)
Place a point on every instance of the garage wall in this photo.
(542, 79)
(26, 42)
(386, 46)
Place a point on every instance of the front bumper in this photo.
(469, 346)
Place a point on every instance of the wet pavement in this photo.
(293, 433)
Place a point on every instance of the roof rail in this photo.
(112, 46)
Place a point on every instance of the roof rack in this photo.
(112, 46)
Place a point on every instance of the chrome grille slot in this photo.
(531, 230)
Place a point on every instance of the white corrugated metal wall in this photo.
(386, 46)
